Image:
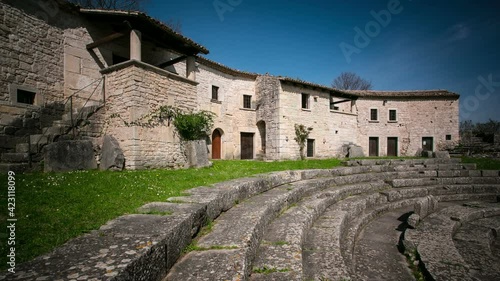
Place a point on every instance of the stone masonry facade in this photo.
(75, 58)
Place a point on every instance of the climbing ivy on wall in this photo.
(190, 125)
(301, 135)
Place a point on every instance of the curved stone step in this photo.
(473, 241)
(240, 230)
(376, 252)
(432, 239)
(280, 251)
(422, 181)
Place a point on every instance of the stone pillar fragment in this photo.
(135, 45)
(191, 68)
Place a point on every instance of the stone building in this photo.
(88, 73)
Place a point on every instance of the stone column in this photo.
(191, 67)
(135, 45)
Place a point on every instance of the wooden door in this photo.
(310, 148)
(246, 145)
(428, 143)
(373, 146)
(392, 146)
(216, 144)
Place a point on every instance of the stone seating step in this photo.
(473, 241)
(225, 235)
(397, 162)
(328, 250)
(432, 239)
(376, 252)
(132, 247)
(412, 182)
(240, 229)
(15, 157)
(15, 167)
(22, 148)
(395, 194)
(281, 246)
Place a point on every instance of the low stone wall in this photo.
(135, 90)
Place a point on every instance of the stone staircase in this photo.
(291, 225)
(28, 155)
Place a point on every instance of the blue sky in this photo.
(413, 45)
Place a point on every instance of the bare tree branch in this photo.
(128, 5)
(351, 81)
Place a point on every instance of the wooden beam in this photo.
(341, 101)
(104, 40)
(171, 62)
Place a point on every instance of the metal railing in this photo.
(72, 121)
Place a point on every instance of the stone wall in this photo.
(330, 128)
(231, 118)
(267, 90)
(31, 58)
(416, 118)
(134, 90)
(31, 55)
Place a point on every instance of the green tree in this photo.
(301, 135)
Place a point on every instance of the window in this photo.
(373, 114)
(310, 148)
(332, 105)
(215, 93)
(247, 101)
(448, 137)
(305, 101)
(393, 116)
(27, 97)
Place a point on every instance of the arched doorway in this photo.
(216, 144)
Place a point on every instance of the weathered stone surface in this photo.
(413, 220)
(197, 154)
(426, 206)
(112, 157)
(355, 151)
(442, 154)
(69, 156)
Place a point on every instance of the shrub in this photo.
(194, 125)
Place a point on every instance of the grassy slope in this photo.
(52, 208)
(483, 163)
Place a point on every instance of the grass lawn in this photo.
(483, 163)
(54, 207)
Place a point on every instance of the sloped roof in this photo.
(331, 90)
(149, 24)
(403, 94)
(225, 69)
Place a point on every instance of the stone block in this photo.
(442, 155)
(112, 157)
(72, 63)
(197, 154)
(413, 220)
(22, 147)
(426, 206)
(490, 173)
(69, 156)
(355, 151)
